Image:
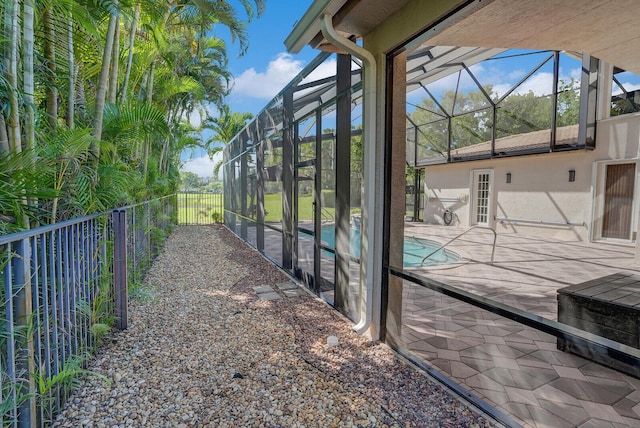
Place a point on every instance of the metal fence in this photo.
(200, 208)
(149, 224)
(63, 285)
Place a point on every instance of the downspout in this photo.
(367, 261)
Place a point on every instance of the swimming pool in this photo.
(415, 249)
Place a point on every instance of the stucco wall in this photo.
(618, 137)
(540, 197)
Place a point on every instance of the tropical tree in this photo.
(103, 81)
(226, 126)
(190, 181)
(80, 134)
(131, 46)
(90, 123)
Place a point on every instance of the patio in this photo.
(527, 270)
(517, 369)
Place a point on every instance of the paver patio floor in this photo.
(515, 368)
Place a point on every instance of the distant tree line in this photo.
(472, 121)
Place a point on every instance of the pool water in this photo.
(415, 249)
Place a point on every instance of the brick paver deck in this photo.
(515, 368)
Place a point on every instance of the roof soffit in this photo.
(606, 29)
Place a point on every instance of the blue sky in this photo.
(263, 71)
(266, 68)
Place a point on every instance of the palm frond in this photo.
(132, 122)
(115, 185)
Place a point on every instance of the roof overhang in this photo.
(606, 29)
(309, 25)
(351, 18)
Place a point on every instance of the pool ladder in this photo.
(493, 248)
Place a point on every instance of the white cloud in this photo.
(501, 88)
(575, 73)
(502, 80)
(515, 75)
(540, 84)
(440, 86)
(202, 166)
(195, 118)
(212, 110)
(627, 86)
(267, 84)
(198, 116)
(326, 69)
(218, 158)
(477, 68)
(280, 71)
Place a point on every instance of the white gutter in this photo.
(367, 260)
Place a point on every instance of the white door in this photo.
(481, 205)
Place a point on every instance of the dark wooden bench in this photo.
(607, 306)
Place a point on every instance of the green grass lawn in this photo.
(200, 208)
(273, 207)
(207, 208)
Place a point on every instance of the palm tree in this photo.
(50, 66)
(27, 68)
(205, 13)
(132, 39)
(103, 81)
(120, 152)
(115, 64)
(173, 69)
(11, 35)
(226, 126)
(71, 82)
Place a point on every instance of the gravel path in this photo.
(203, 350)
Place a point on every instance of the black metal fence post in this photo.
(287, 180)
(120, 267)
(23, 316)
(343, 183)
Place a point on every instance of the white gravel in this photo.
(203, 350)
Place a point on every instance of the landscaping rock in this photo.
(205, 351)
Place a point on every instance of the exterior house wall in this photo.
(539, 192)
(540, 199)
(618, 137)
